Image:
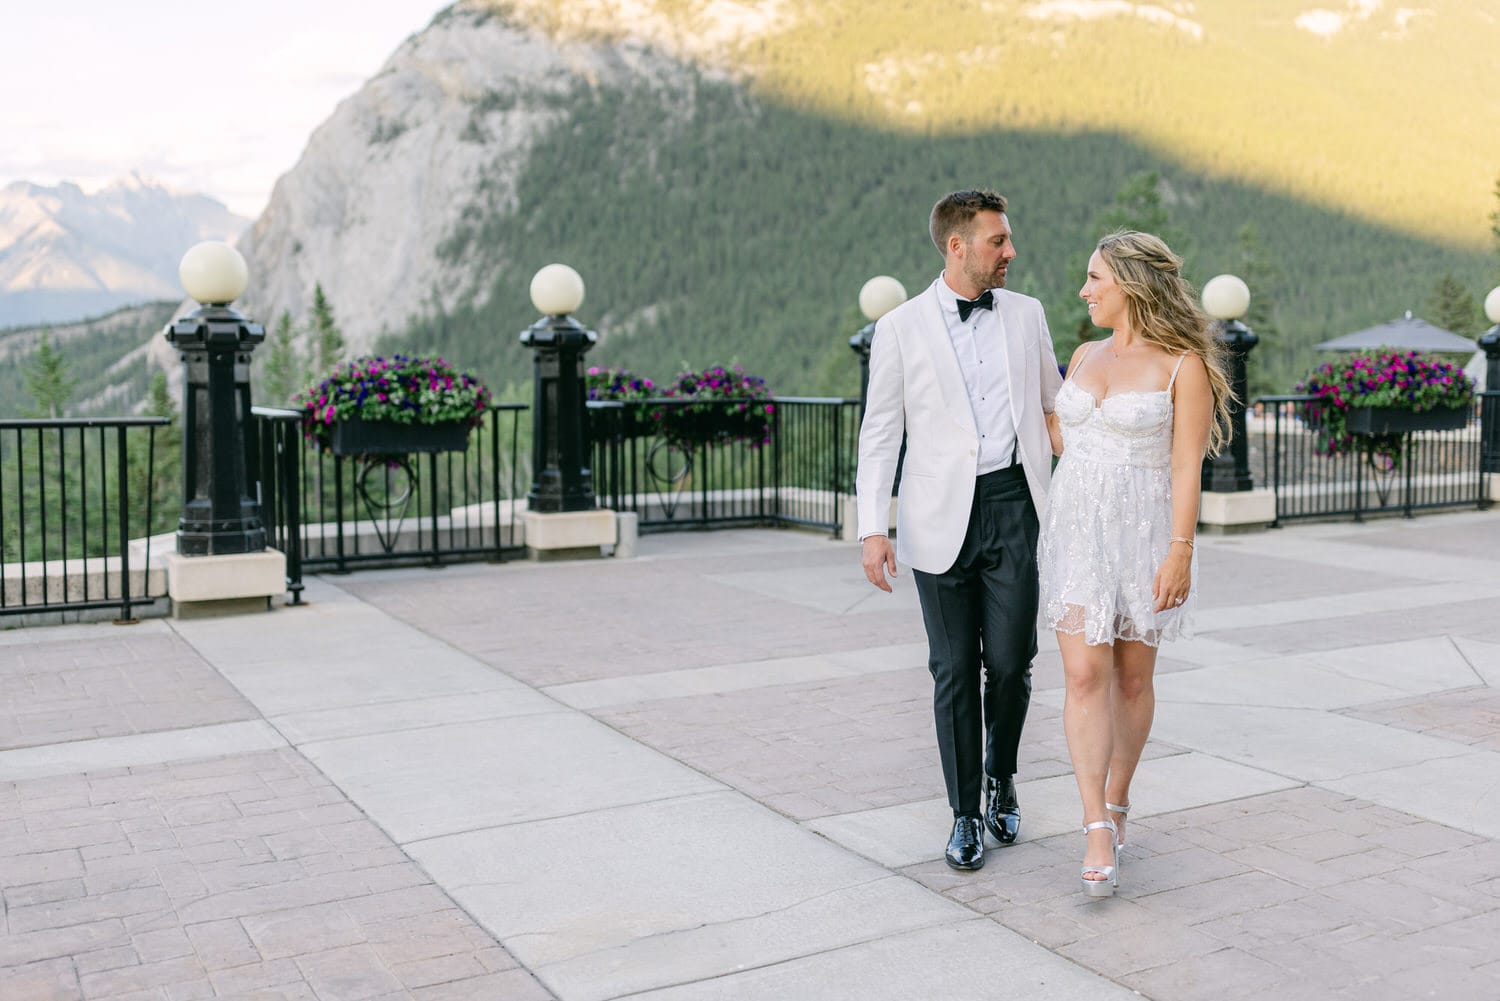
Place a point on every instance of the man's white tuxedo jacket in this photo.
(916, 386)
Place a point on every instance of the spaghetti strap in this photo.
(1181, 358)
(1088, 346)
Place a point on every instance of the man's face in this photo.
(989, 251)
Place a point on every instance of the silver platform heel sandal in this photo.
(1122, 811)
(1102, 887)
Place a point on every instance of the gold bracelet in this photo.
(1181, 538)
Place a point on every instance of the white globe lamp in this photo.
(556, 290)
(879, 296)
(1492, 305)
(1226, 297)
(213, 273)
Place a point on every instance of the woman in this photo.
(1133, 421)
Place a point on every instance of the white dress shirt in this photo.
(981, 357)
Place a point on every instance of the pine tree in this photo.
(165, 477)
(280, 375)
(1453, 307)
(1495, 229)
(328, 343)
(47, 380)
(1273, 368)
(1138, 205)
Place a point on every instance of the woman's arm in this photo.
(1192, 417)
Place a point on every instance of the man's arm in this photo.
(1051, 378)
(879, 450)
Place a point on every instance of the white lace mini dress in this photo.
(1109, 519)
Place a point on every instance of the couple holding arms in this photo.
(1102, 547)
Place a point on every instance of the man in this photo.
(966, 370)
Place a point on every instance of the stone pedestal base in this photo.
(1235, 513)
(568, 535)
(627, 531)
(1492, 486)
(224, 585)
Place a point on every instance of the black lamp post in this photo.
(1226, 298)
(878, 297)
(218, 514)
(1489, 415)
(562, 479)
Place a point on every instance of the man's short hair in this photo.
(955, 214)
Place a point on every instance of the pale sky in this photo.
(212, 97)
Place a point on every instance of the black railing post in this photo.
(860, 344)
(495, 482)
(122, 468)
(218, 515)
(1489, 418)
(1229, 471)
(338, 504)
(432, 478)
(290, 485)
(562, 481)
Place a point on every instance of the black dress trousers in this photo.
(981, 614)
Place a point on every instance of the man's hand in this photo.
(879, 559)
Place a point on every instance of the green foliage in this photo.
(327, 340)
(1276, 361)
(158, 467)
(1138, 205)
(159, 402)
(101, 385)
(707, 222)
(1495, 230)
(1404, 380)
(725, 405)
(1453, 307)
(400, 389)
(47, 380)
(616, 384)
(280, 373)
(1232, 90)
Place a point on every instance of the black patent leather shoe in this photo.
(966, 846)
(1002, 814)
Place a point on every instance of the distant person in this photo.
(1134, 418)
(967, 371)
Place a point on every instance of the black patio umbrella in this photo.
(1410, 333)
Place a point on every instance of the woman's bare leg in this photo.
(1089, 726)
(1133, 706)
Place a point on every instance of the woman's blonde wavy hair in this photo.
(1164, 311)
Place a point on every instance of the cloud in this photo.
(213, 98)
(1091, 10)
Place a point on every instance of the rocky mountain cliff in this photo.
(449, 121)
(726, 174)
(66, 255)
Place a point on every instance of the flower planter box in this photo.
(1394, 420)
(357, 436)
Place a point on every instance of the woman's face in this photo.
(1107, 306)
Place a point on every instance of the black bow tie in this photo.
(967, 306)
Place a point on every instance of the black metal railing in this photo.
(689, 464)
(1397, 473)
(333, 513)
(74, 492)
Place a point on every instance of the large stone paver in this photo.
(735, 792)
(738, 887)
(440, 780)
(75, 684)
(232, 876)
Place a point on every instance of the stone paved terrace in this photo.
(709, 773)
